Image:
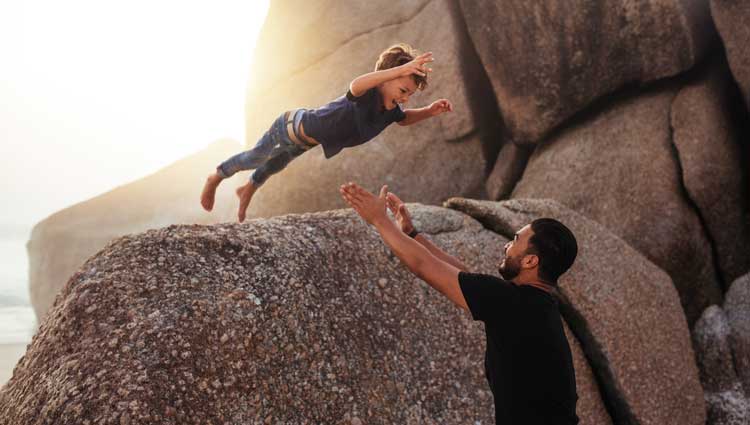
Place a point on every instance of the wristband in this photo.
(413, 234)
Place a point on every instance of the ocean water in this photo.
(17, 320)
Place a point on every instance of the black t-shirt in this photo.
(528, 362)
(349, 121)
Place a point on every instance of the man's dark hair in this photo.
(555, 246)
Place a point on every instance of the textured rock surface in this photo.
(731, 18)
(726, 401)
(620, 168)
(624, 310)
(581, 51)
(428, 162)
(288, 319)
(509, 166)
(737, 308)
(63, 241)
(711, 158)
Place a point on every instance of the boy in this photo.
(371, 104)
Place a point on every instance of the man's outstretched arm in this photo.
(437, 273)
(403, 218)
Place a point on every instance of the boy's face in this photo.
(397, 91)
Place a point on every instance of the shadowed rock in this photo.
(590, 407)
(737, 308)
(623, 309)
(725, 398)
(731, 18)
(547, 60)
(508, 170)
(621, 169)
(710, 155)
(63, 241)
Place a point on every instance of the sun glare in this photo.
(105, 92)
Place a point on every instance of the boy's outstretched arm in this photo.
(437, 273)
(365, 82)
(436, 108)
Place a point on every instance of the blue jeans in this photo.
(273, 152)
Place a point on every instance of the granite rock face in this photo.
(288, 319)
(621, 169)
(581, 51)
(62, 242)
(709, 150)
(299, 317)
(325, 49)
(625, 312)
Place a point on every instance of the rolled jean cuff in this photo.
(221, 172)
(254, 180)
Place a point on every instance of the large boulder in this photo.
(62, 242)
(621, 169)
(427, 162)
(625, 312)
(290, 319)
(710, 153)
(548, 60)
(726, 401)
(731, 18)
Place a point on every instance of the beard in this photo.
(509, 268)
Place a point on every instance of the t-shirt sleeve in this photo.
(359, 99)
(487, 296)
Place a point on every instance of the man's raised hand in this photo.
(398, 208)
(370, 207)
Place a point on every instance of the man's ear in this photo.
(529, 261)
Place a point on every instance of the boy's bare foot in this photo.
(209, 191)
(245, 193)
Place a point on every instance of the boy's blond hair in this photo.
(397, 55)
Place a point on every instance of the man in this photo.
(528, 362)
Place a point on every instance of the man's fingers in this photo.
(383, 191)
(392, 196)
(348, 196)
(391, 205)
(354, 191)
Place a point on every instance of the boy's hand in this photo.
(398, 208)
(440, 106)
(370, 207)
(417, 65)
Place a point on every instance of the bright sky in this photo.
(98, 93)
